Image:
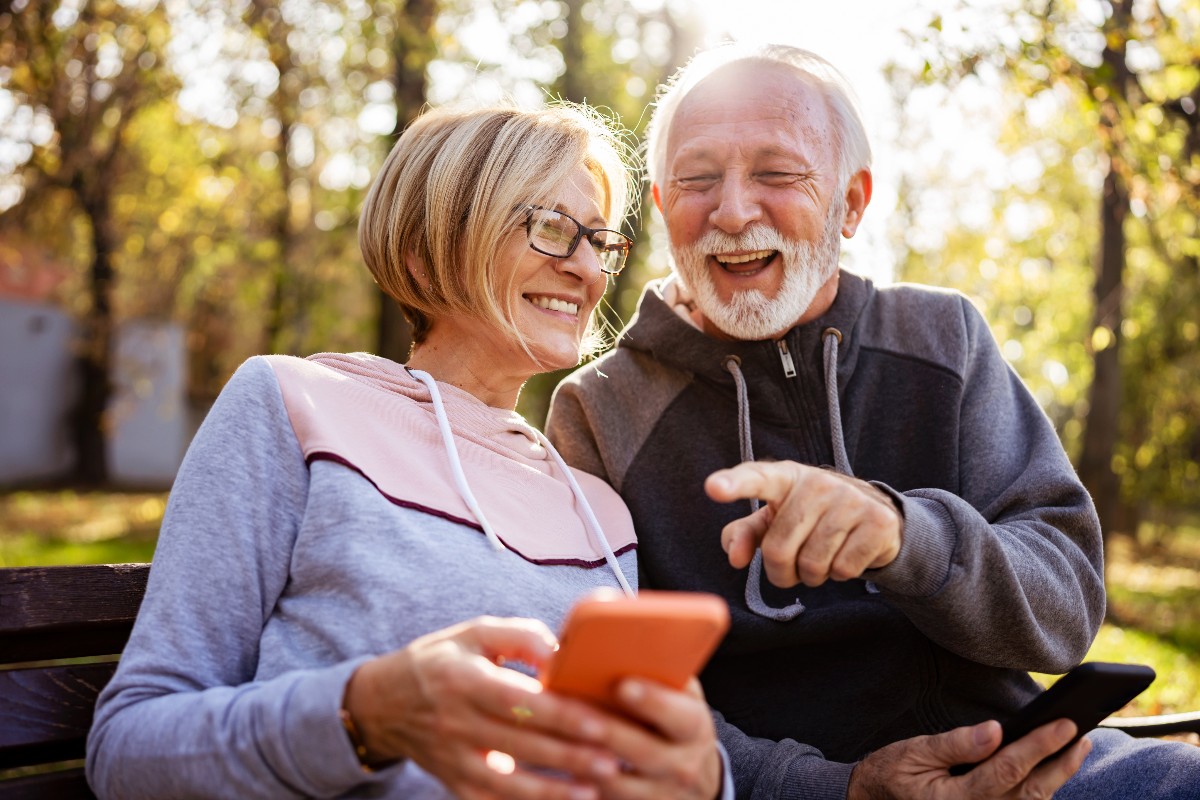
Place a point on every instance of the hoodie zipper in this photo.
(789, 366)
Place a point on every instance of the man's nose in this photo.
(737, 208)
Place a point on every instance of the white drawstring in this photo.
(460, 480)
(589, 517)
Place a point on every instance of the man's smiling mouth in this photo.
(745, 263)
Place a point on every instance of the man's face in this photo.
(751, 199)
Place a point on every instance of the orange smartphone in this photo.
(663, 636)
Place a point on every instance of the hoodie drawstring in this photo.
(460, 481)
(841, 462)
(754, 599)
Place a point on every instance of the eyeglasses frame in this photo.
(582, 232)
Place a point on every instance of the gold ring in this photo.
(522, 713)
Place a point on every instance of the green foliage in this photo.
(1025, 241)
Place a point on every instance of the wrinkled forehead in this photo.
(750, 98)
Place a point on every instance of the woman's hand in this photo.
(445, 702)
(670, 751)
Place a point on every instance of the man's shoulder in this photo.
(923, 322)
(621, 371)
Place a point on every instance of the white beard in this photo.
(750, 315)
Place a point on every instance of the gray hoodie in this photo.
(1001, 565)
(313, 524)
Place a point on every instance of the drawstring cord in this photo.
(589, 516)
(464, 490)
(754, 599)
(841, 462)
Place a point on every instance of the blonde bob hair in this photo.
(456, 185)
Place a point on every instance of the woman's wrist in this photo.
(360, 727)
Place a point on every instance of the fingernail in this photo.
(719, 482)
(591, 729)
(983, 734)
(632, 691)
(604, 767)
(581, 793)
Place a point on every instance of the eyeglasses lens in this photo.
(551, 232)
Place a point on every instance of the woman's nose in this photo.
(584, 263)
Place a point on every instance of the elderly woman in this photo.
(313, 621)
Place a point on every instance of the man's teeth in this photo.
(554, 304)
(742, 259)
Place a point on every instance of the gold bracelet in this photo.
(360, 749)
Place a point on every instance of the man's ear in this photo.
(858, 197)
(657, 196)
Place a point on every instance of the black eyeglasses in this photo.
(553, 233)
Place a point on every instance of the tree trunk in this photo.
(281, 226)
(413, 50)
(1102, 427)
(572, 84)
(90, 422)
(1104, 395)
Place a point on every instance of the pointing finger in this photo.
(770, 481)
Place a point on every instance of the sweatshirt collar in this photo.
(672, 336)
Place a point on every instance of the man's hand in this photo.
(919, 767)
(816, 524)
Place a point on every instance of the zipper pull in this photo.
(789, 366)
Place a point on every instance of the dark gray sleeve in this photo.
(785, 770)
(183, 717)
(1007, 571)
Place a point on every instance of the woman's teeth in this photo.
(554, 304)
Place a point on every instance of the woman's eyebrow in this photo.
(596, 221)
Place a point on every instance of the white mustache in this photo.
(760, 237)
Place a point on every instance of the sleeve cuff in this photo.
(727, 790)
(923, 565)
(315, 738)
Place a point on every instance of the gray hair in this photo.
(854, 151)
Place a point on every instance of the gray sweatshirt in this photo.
(312, 525)
(1001, 565)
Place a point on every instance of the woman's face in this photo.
(552, 298)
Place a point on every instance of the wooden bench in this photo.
(51, 614)
(48, 615)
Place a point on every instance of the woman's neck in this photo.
(471, 370)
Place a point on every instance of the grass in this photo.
(1153, 579)
(68, 527)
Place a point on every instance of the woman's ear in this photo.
(416, 267)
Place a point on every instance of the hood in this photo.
(375, 417)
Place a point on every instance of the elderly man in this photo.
(923, 537)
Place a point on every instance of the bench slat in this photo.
(65, 612)
(63, 785)
(45, 712)
(1160, 725)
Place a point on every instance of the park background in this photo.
(184, 177)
